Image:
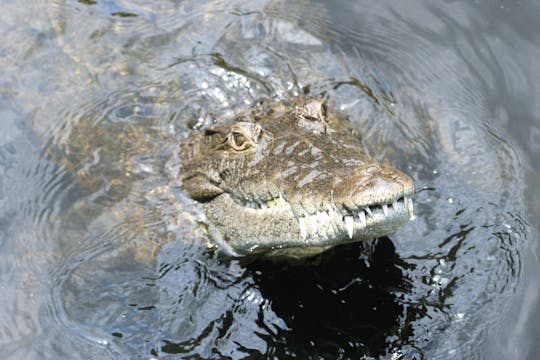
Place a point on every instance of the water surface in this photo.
(102, 255)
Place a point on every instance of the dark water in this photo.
(102, 256)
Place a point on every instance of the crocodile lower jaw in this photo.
(270, 226)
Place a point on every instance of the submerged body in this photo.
(291, 178)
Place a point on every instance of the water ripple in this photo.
(106, 257)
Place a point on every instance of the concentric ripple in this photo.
(103, 256)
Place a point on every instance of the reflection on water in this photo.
(103, 256)
(346, 303)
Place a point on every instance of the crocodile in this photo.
(291, 178)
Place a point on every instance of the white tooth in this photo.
(313, 222)
(303, 230)
(322, 217)
(395, 205)
(368, 210)
(362, 216)
(349, 223)
(334, 221)
(385, 209)
(408, 202)
(263, 205)
(332, 215)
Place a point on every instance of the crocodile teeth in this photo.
(408, 202)
(349, 222)
(368, 211)
(313, 222)
(322, 217)
(303, 230)
(362, 217)
(395, 205)
(331, 212)
(385, 209)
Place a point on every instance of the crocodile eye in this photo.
(239, 139)
(243, 136)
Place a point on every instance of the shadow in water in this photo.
(343, 302)
(348, 302)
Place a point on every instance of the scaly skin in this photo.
(291, 179)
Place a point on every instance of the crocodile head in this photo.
(291, 178)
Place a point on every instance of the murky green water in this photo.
(103, 256)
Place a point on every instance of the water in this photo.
(103, 256)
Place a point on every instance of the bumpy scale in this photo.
(291, 178)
